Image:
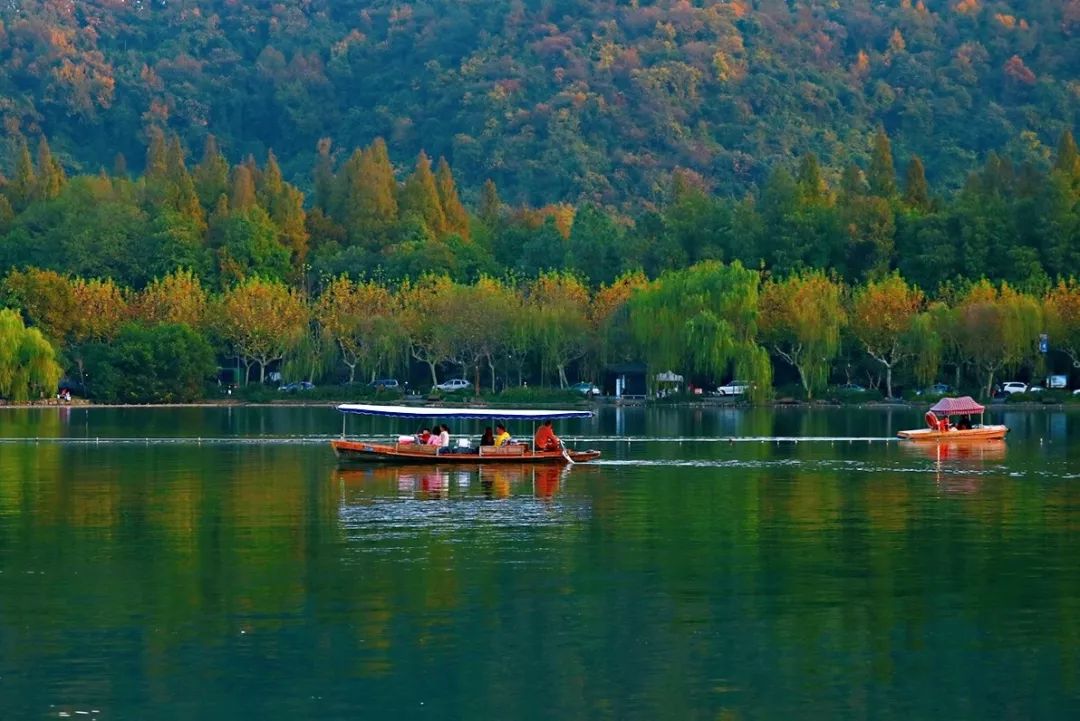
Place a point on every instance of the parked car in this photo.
(733, 388)
(851, 388)
(585, 388)
(297, 386)
(1011, 387)
(385, 384)
(454, 384)
(938, 389)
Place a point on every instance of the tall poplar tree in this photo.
(421, 196)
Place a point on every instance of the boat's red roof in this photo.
(951, 406)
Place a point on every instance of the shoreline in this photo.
(636, 403)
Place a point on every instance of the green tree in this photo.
(211, 175)
(702, 320)
(28, 366)
(166, 363)
(916, 189)
(882, 174)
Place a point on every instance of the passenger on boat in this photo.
(964, 424)
(424, 437)
(434, 439)
(545, 439)
(488, 439)
(502, 436)
(444, 436)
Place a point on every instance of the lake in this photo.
(216, 563)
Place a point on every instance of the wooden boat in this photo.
(941, 429)
(406, 452)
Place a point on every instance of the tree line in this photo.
(369, 218)
(709, 321)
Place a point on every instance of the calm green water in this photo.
(216, 563)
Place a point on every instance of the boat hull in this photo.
(364, 451)
(953, 435)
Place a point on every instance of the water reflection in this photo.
(447, 482)
(959, 467)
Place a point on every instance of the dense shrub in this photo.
(166, 363)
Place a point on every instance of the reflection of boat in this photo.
(408, 452)
(435, 481)
(940, 427)
(991, 450)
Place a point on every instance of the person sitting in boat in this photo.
(502, 436)
(488, 439)
(545, 439)
(964, 424)
(435, 439)
(444, 436)
(424, 436)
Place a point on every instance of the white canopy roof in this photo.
(447, 412)
(669, 377)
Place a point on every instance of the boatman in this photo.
(545, 439)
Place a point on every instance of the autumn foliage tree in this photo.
(882, 317)
(799, 319)
(361, 318)
(262, 321)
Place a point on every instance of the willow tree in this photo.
(702, 319)
(609, 316)
(559, 317)
(882, 318)
(998, 329)
(799, 319)
(262, 320)
(430, 339)
(28, 364)
(481, 317)
(361, 319)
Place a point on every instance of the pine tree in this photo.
(156, 162)
(375, 207)
(916, 189)
(324, 176)
(211, 175)
(344, 203)
(1068, 159)
(421, 196)
(242, 196)
(50, 175)
(21, 188)
(490, 204)
(853, 182)
(457, 219)
(271, 185)
(812, 187)
(882, 175)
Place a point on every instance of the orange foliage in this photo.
(1015, 69)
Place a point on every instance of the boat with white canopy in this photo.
(940, 427)
(405, 449)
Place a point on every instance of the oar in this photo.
(566, 455)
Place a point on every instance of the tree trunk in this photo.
(434, 378)
(491, 367)
(476, 373)
(562, 376)
(989, 384)
(262, 372)
(805, 383)
(888, 381)
(352, 371)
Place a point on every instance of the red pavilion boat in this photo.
(941, 428)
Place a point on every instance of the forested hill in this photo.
(553, 99)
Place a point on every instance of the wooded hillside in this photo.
(554, 100)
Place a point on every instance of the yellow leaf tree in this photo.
(177, 298)
(262, 320)
(559, 316)
(998, 329)
(882, 318)
(362, 320)
(28, 364)
(799, 318)
(1062, 313)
